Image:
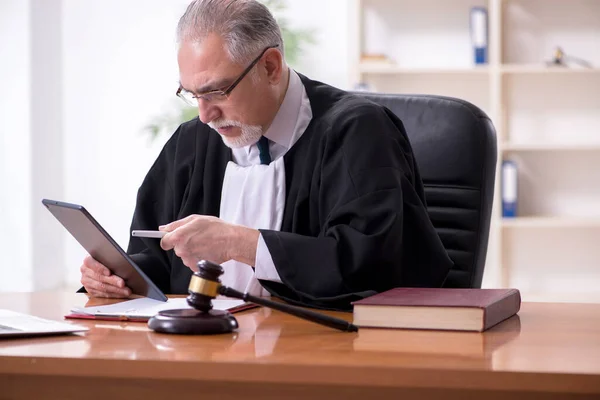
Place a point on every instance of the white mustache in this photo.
(249, 133)
(224, 123)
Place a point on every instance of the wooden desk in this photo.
(548, 351)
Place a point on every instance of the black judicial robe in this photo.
(355, 221)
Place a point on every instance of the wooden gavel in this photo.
(204, 287)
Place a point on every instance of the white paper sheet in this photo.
(147, 307)
(17, 324)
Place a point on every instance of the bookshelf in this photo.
(551, 222)
(547, 119)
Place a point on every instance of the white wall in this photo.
(79, 93)
(120, 71)
(15, 157)
(327, 59)
(47, 141)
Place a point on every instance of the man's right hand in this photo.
(100, 282)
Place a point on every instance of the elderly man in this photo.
(298, 189)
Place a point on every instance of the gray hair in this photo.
(246, 26)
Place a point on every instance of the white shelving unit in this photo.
(547, 120)
(551, 222)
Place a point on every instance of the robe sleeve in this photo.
(375, 231)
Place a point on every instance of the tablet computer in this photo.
(98, 243)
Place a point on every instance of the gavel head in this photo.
(204, 285)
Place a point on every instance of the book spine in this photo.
(509, 189)
(502, 309)
(479, 34)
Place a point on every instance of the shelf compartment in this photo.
(415, 34)
(540, 110)
(384, 69)
(561, 297)
(552, 262)
(562, 184)
(549, 147)
(532, 29)
(551, 222)
(545, 70)
(473, 88)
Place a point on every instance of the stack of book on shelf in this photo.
(376, 60)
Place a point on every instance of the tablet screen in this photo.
(98, 243)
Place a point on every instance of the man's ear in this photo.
(273, 66)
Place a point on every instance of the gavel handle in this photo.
(309, 315)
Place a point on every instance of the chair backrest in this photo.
(455, 147)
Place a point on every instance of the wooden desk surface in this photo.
(550, 350)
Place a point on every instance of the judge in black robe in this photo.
(355, 220)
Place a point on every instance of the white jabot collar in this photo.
(254, 195)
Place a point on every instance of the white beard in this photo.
(250, 133)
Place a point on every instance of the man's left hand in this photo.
(201, 237)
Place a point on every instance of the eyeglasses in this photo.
(218, 94)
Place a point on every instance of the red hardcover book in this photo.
(442, 309)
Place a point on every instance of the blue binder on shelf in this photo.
(479, 34)
(509, 189)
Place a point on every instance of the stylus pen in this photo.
(149, 234)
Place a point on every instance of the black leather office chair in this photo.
(455, 147)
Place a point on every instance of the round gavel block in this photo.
(193, 322)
